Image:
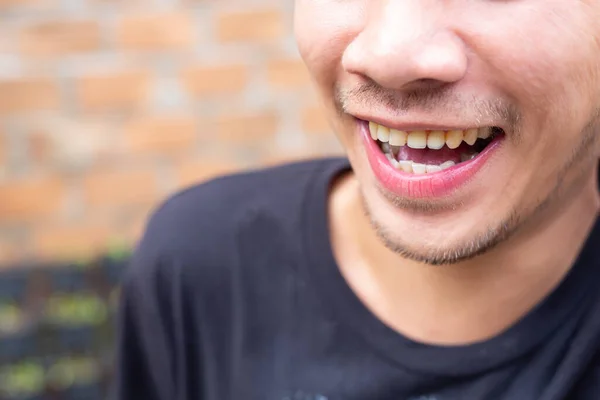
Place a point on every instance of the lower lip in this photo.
(437, 184)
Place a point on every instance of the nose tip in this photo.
(406, 61)
(442, 59)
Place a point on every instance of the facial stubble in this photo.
(491, 236)
(488, 237)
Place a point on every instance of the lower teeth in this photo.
(418, 168)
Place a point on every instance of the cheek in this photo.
(545, 58)
(323, 30)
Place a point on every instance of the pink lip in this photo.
(438, 184)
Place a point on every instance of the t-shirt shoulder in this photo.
(196, 226)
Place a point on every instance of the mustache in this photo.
(439, 100)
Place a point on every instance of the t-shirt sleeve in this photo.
(144, 356)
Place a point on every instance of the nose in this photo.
(406, 45)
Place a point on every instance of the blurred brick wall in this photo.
(109, 106)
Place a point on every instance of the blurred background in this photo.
(107, 107)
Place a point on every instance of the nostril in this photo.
(429, 82)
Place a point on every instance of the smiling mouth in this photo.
(429, 151)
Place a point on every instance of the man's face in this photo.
(445, 75)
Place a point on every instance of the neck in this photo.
(466, 302)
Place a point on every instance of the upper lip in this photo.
(421, 125)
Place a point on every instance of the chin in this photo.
(440, 233)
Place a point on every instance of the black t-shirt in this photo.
(234, 293)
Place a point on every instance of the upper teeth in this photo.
(431, 139)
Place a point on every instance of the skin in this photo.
(464, 267)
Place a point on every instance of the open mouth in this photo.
(429, 151)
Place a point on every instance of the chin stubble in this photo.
(498, 233)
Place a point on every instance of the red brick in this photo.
(212, 80)
(191, 172)
(251, 26)
(147, 32)
(288, 74)
(31, 199)
(118, 162)
(114, 188)
(314, 120)
(247, 128)
(120, 90)
(39, 148)
(160, 135)
(70, 242)
(23, 3)
(22, 95)
(60, 37)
